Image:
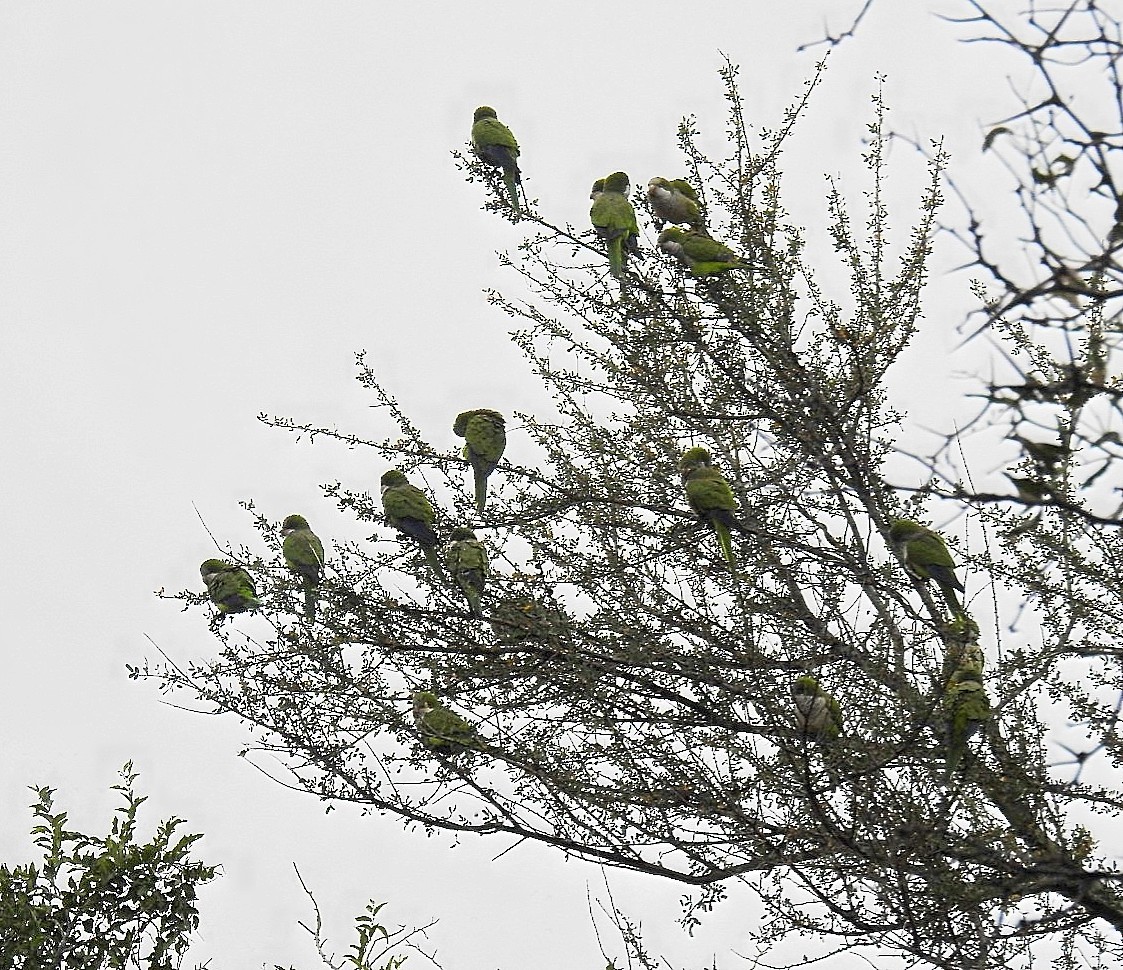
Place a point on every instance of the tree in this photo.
(101, 902)
(649, 724)
(113, 903)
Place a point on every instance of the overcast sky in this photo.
(206, 209)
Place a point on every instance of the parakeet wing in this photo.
(612, 214)
(407, 502)
(492, 131)
(707, 493)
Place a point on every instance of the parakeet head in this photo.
(805, 685)
(694, 458)
(656, 184)
(971, 664)
(670, 240)
(391, 478)
(902, 530)
(483, 111)
(598, 188)
(212, 566)
(460, 425)
(462, 532)
(963, 629)
(423, 702)
(292, 523)
(617, 182)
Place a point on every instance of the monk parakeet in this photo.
(484, 441)
(615, 221)
(674, 201)
(229, 586)
(517, 620)
(493, 142)
(961, 646)
(817, 713)
(410, 512)
(712, 499)
(966, 709)
(1046, 454)
(466, 559)
(304, 554)
(1031, 489)
(700, 254)
(438, 727)
(926, 557)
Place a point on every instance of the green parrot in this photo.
(493, 142)
(1031, 489)
(229, 586)
(817, 713)
(674, 201)
(711, 498)
(466, 559)
(966, 709)
(521, 619)
(439, 728)
(699, 253)
(410, 512)
(1046, 454)
(304, 554)
(615, 221)
(926, 557)
(484, 441)
(961, 646)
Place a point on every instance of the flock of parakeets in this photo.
(612, 214)
(818, 715)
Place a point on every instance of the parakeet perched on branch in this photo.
(517, 620)
(439, 728)
(484, 440)
(966, 709)
(961, 646)
(817, 714)
(410, 512)
(304, 554)
(493, 142)
(711, 498)
(1047, 455)
(926, 558)
(614, 219)
(229, 586)
(700, 254)
(466, 559)
(674, 201)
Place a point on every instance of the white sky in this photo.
(206, 208)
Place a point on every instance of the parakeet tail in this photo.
(434, 563)
(726, 542)
(474, 604)
(616, 256)
(310, 602)
(954, 756)
(481, 490)
(510, 176)
(952, 599)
